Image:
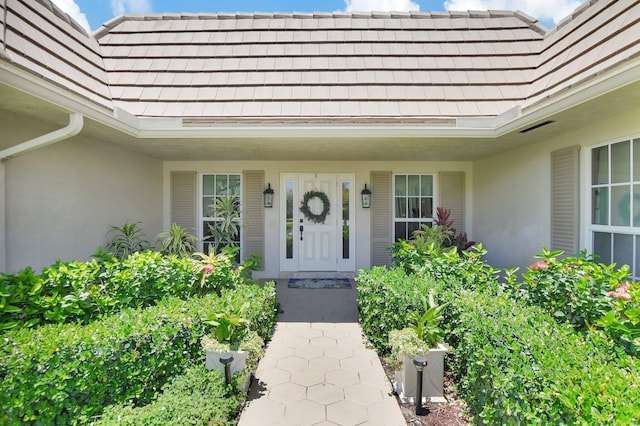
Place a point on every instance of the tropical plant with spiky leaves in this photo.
(177, 240)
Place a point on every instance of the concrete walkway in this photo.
(317, 370)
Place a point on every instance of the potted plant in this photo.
(231, 333)
(423, 337)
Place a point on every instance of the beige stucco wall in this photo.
(62, 199)
(362, 171)
(511, 191)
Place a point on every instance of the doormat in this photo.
(319, 283)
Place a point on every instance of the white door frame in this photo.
(343, 235)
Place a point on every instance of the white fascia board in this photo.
(581, 93)
(301, 131)
(66, 100)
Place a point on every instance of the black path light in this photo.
(366, 197)
(226, 359)
(268, 196)
(420, 362)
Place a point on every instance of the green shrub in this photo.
(519, 366)
(386, 296)
(82, 291)
(198, 397)
(466, 268)
(622, 322)
(68, 373)
(20, 299)
(574, 289)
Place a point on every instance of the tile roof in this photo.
(326, 67)
(45, 41)
(375, 66)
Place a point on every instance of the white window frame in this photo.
(202, 218)
(592, 228)
(434, 197)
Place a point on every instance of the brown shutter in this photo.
(452, 195)
(183, 199)
(565, 199)
(253, 214)
(381, 220)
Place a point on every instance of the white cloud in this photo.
(72, 9)
(380, 5)
(120, 7)
(554, 10)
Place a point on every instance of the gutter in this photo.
(76, 123)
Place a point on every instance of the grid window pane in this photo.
(414, 207)
(620, 206)
(600, 208)
(411, 228)
(636, 269)
(206, 203)
(221, 184)
(602, 246)
(413, 185)
(234, 185)
(208, 185)
(426, 187)
(401, 207)
(600, 165)
(636, 205)
(623, 249)
(426, 208)
(636, 159)
(401, 185)
(400, 231)
(620, 163)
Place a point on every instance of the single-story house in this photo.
(530, 136)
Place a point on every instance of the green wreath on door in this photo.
(308, 214)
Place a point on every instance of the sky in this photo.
(91, 14)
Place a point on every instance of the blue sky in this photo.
(93, 13)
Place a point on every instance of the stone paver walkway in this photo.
(319, 373)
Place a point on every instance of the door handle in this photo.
(301, 230)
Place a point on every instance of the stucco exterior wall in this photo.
(362, 171)
(511, 191)
(62, 199)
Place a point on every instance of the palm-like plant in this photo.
(127, 239)
(227, 224)
(427, 324)
(177, 240)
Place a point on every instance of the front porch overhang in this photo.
(362, 138)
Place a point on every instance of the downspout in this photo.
(76, 122)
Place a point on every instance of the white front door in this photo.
(317, 238)
(317, 222)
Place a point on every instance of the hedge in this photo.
(198, 397)
(68, 373)
(82, 291)
(515, 362)
(385, 296)
(519, 366)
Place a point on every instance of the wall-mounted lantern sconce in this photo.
(366, 197)
(268, 196)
